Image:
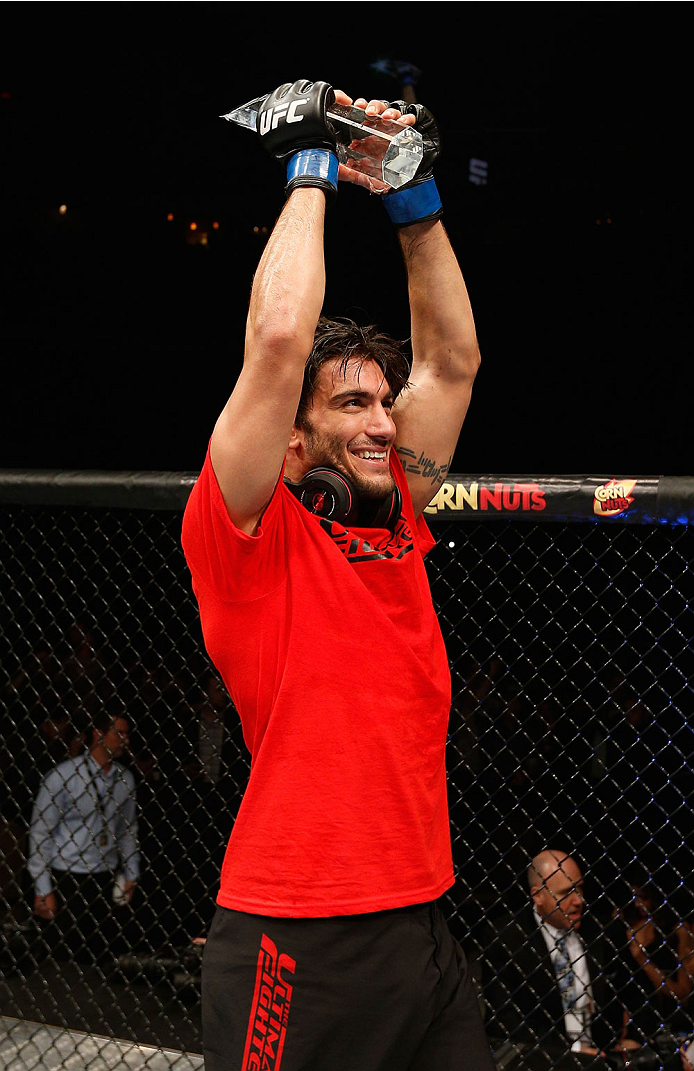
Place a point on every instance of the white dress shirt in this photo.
(85, 821)
(577, 1019)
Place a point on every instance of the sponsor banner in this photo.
(612, 499)
(654, 499)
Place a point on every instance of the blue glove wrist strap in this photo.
(407, 206)
(314, 163)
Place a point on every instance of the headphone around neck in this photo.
(327, 493)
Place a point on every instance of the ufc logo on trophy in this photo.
(271, 118)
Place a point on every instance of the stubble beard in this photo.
(327, 450)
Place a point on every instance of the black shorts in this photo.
(387, 991)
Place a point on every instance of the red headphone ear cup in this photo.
(326, 493)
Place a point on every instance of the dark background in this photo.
(122, 333)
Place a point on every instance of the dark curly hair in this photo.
(345, 339)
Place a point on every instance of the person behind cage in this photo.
(659, 957)
(305, 540)
(548, 973)
(84, 857)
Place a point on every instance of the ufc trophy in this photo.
(380, 148)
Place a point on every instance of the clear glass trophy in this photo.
(380, 148)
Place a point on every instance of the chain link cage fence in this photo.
(566, 609)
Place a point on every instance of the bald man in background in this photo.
(549, 973)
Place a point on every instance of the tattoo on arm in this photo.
(421, 465)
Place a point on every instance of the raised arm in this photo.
(250, 437)
(445, 359)
(445, 354)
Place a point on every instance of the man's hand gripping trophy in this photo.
(380, 145)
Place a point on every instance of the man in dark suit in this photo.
(547, 974)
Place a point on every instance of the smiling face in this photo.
(348, 427)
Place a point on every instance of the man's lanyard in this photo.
(103, 836)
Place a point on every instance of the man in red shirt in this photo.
(305, 539)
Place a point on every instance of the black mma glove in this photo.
(293, 127)
(419, 199)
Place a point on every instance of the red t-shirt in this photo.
(329, 646)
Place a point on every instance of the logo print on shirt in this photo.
(272, 998)
(391, 546)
